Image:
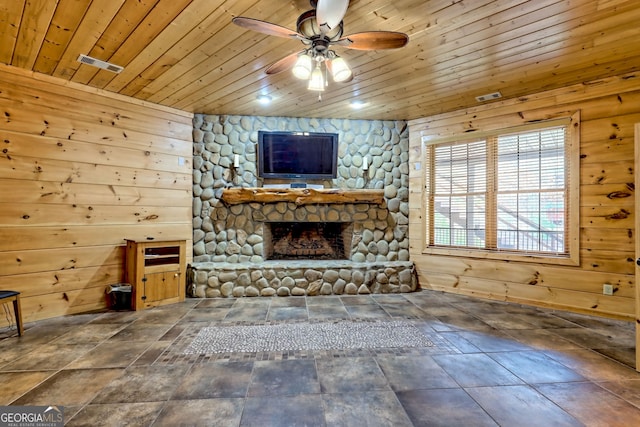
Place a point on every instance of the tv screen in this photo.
(297, 155)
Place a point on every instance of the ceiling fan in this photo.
(319, 29)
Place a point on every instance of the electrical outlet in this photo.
(607, 289)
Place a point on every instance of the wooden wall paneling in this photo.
(43, 192)
(607, 195)
(17, 167)
(89, 152)
(47, 282)
(36, 260)
(620, 261)
(66, 236)
(110, 101)
(38, 214)
(72, 302)
(116, 125)
(80, 172)
(607, 216)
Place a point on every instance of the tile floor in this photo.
(491, 364)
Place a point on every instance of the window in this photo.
(508, 192)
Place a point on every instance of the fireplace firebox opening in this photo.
(307, 240)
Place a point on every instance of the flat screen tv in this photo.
(297, 155)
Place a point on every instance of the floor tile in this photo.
(69, 387)
(542, 339)
(283, 411)
(49, 356)
(460, 342)
(117, 414)
(347, 374)
(247, 314)
(140, 332)
(493, 341)
(414, 373)
(628, 390)
(215, 303)
(535, 367)
(214, 380)
(365, 408)
(366, 312)
(328, 312)
(283, 378)
(475, 370)
(287, 313)
(404, 310)
(328, 300)
(443, 408)
(592, 365)
(15, 384)
(624, 355)
(91, 333)
(592, 404)
(111, 354)
(588, 338)
(103, 366)
(142, 384)
(349, 300)
(462, 321)
(289, 302)
(520, 406)
(201, 412)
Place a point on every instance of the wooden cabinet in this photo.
(156, 272)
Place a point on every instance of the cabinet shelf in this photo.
(156, 271)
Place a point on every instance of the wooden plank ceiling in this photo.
(187, 54)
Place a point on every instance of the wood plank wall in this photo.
(609, 108)
(80, 171)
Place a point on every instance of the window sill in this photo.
(503, 256)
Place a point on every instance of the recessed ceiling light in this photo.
(356, 104)
(264, 99)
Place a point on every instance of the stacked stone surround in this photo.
(229, 240)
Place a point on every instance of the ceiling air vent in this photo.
(99, 64)
(488, 97)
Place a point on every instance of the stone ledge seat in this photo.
(300, 278)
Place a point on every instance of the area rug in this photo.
(335, 335)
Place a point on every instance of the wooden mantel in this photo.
(300, 196)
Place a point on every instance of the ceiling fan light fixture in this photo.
(340, 70)
(316, 82)
(303, 67)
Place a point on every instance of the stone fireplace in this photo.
(324, 243)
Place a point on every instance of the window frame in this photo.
(572, 179)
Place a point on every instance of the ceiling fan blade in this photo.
(264, 27)
(374, 40)
(329, 13)
(283, 64)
